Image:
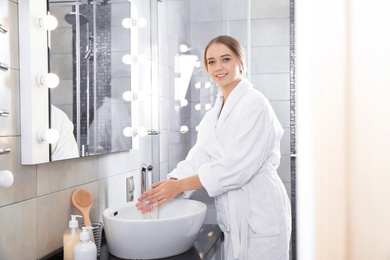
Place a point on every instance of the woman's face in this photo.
(223, 65)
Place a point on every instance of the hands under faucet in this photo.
(164, 191)
(161, 192)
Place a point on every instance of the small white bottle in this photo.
(85, 249)
(71, 237)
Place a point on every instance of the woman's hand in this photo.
(160, 193)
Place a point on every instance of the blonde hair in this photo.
(232, 44)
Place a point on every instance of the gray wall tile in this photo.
(54, 212)
(9, 100)
(61, 175)
(206, 10)
(275, 59)
(270, 9)
(18, 234)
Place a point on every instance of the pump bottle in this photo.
(71, 237)
(85, 249)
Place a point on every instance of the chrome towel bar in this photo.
(4, 66)
(4, 150)
(3, 29)
(4, 112)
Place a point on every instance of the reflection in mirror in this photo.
(86, 51)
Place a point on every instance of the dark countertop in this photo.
(205, 246)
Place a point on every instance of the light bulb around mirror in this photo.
(183, 102)
(198, 85)
(6, 179)
(133, 96)
(197, 128)
(128, 59)
(132, 132)
(183, 129)
(128, 132)
(47, 22)
(183, 48)
(50, 80)
(207, 85)
(198, 107)
(132, 59)
(51, 136)
(207, 106)
(128, 96)
(130, 22)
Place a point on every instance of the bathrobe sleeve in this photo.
(253, 148)
(188, 167)
(66, 146)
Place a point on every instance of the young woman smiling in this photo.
(235, 159)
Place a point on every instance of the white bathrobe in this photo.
(236, 157)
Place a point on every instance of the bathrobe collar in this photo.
(242, 87)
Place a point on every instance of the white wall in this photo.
(343, 60)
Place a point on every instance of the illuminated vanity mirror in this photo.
(89, 100)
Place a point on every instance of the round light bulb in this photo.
(48, 22)
(207, 106)
(183, 102)
(127, 59)
(184, 129)
(183, 48)
(128, 23)
(207, 85)
(198, 85)
(128, 131)
(197, 128)
(6, 179)
(51, 80)
(52, 136)
(128, 96)
(198, 107)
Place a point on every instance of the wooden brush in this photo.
(83, 200)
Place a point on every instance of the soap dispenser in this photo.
(85, 249)
(71, 237)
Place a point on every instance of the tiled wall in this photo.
(35, 210)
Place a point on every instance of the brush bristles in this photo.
(83, 198)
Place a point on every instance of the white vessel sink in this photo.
(130, 236)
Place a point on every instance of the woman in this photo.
(235, 160)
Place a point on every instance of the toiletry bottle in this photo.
(71, 237)
(85, 249)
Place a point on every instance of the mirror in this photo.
(87, 51)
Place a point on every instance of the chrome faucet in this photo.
(146, 177)
(130, 187)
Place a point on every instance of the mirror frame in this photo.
(33, 54)
(34, 100)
